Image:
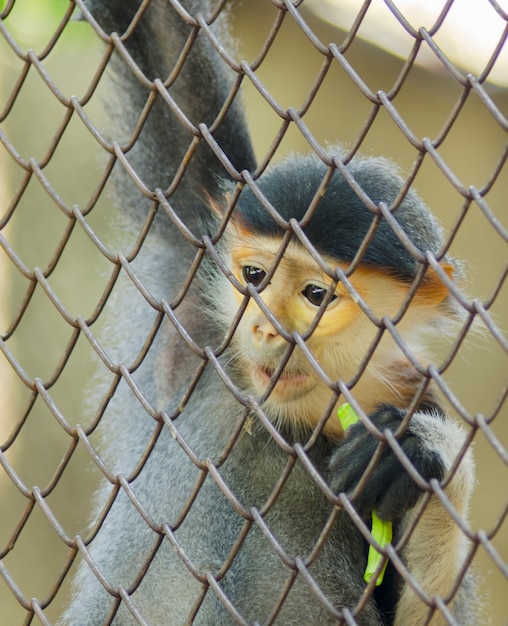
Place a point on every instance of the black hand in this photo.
(390, 490)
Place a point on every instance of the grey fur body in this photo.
(209, 531)
(212, 527)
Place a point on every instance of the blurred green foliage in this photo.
(33, 22)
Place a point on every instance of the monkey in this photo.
(233, 494)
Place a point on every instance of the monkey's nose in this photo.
(264, 331)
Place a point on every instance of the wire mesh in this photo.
(66, 252)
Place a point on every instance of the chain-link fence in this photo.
(66, 253)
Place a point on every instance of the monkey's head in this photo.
(308, 320)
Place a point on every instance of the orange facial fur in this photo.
(341, 338)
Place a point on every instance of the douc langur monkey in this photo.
(234, 494)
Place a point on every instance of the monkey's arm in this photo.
(165, 81)
(436, 549)
(193, 86)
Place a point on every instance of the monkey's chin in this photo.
(289, 386)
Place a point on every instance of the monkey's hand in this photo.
(389, 490)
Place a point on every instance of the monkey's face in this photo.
(305, 327)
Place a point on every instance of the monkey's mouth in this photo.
(289, 383)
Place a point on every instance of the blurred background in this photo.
(36, 339)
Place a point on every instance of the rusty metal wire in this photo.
(53, 236)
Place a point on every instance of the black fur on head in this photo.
(341, 219)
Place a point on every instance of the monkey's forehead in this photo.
(295, 261)
(270, 252)
(342, 216)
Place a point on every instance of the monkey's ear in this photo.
(217, 209)
(432, 289)
(222, 212)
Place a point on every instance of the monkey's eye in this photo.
(315, 294)
(253, 275)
